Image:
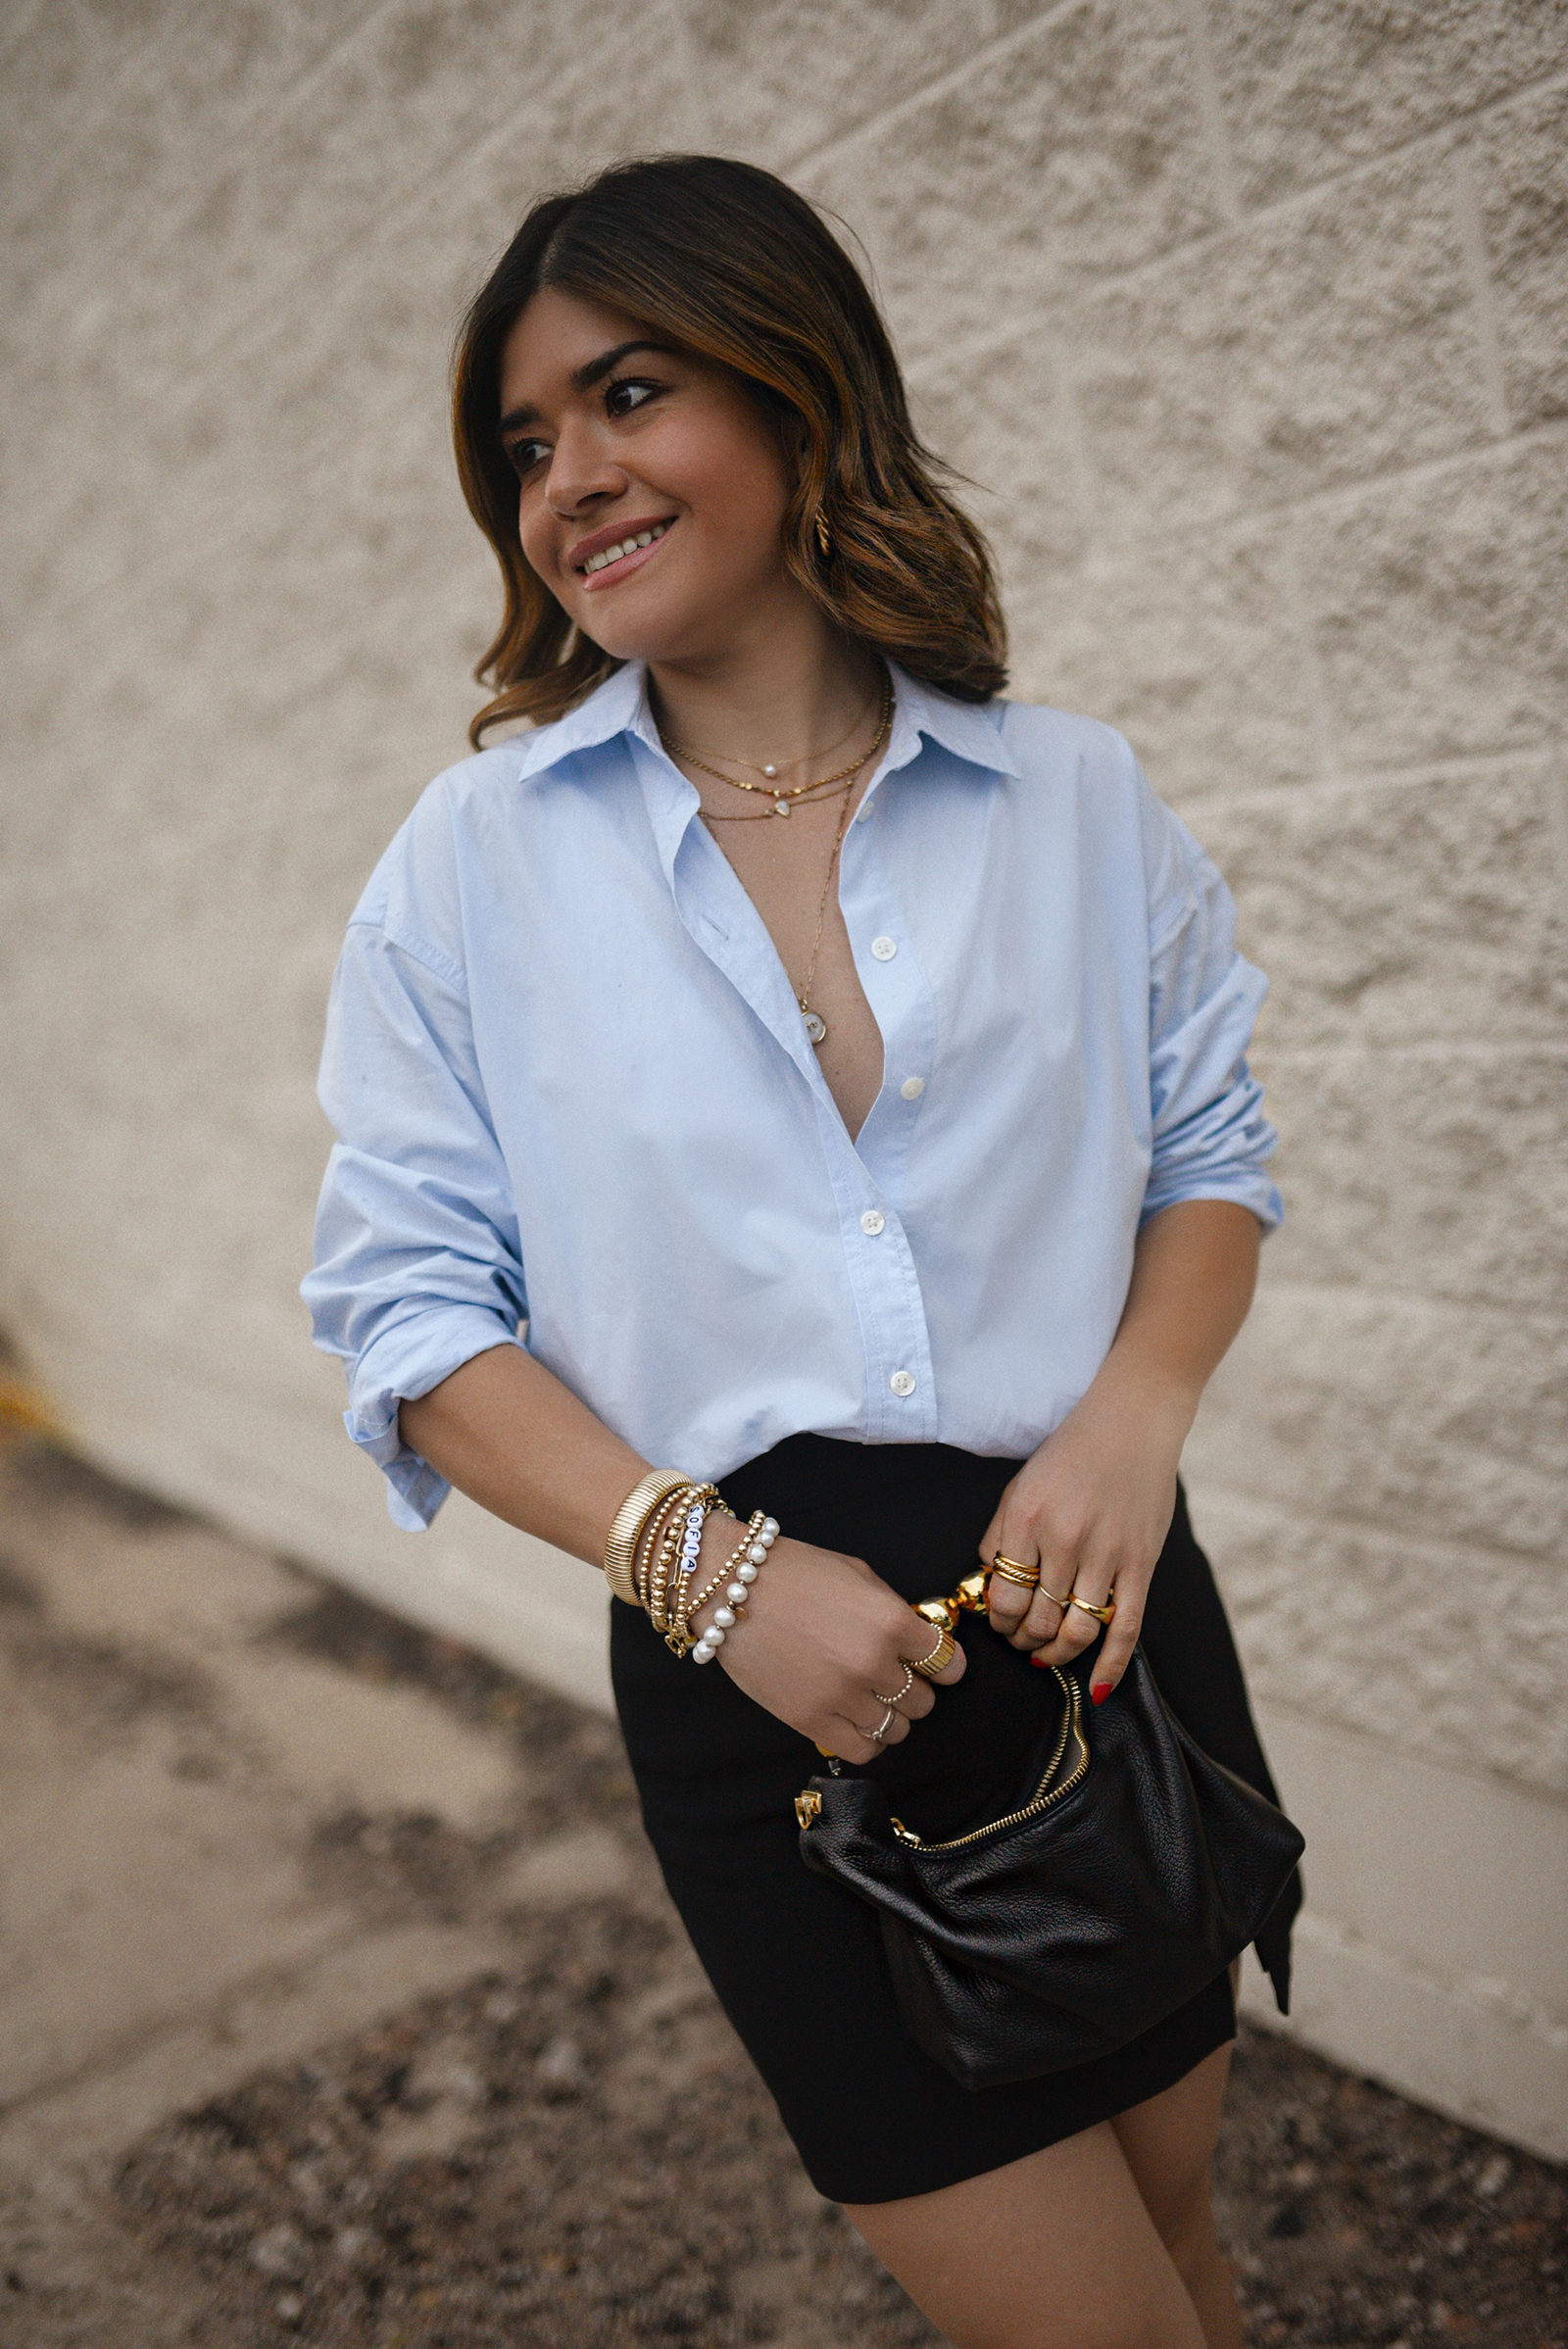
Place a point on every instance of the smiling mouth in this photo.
(609, 557)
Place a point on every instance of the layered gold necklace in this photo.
(784, 799)
(837, 786)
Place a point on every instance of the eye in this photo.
(625, 393)
(523, 454)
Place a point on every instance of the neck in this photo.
(775, 696)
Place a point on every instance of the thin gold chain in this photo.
(759, 766)
(761, 816)
(804, 999)
(804, 994)
(781, 799)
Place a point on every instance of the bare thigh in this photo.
(1056, 2251)
(1169, 2143)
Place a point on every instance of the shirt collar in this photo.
(621, 705)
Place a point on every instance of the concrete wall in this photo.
(1250, 318)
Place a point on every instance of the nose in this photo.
(583, 473)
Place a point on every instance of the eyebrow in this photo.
(585, 378)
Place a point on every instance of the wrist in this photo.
(727, 1576)
(1161, 1403)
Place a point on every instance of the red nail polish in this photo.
(1100, 1691)
(1038, 1660)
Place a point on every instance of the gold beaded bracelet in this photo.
(677, 1551)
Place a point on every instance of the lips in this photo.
(613, 551)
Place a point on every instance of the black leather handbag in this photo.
(1133, 1870)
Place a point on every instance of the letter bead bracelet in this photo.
(652, 1553)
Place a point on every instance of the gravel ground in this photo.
(573, 2150)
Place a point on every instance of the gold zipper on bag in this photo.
(1040, 1800)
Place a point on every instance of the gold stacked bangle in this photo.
(627, 1529)
(651, 1556)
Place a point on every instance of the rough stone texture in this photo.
(1247, 319)
(1334, 340)
(1311, 85)
(1190, 645)
(1078, 147)
(1436, 1168)
(1440, 606)
(1392, 911)
(1524, 210)
(1322, 1606)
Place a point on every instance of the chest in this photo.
(790, 871)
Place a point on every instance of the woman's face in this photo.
(652, 493)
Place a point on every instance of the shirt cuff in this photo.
(399, 1366)
(1253, 1190)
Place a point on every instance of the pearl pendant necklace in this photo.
(771, 788)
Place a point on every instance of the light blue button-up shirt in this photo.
(580, 1110)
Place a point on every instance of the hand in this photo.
(1091, 1507)
(821, 1634)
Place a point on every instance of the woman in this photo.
(896, 1166)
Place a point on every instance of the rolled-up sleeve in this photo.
(417, 1264)
(1210, 1136)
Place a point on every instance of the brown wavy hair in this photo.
(727, 262)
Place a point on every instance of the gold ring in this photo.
(1006, 1574)
(939, 1659)
(1100, 1614)
(1013, 1570)
(892, 1702)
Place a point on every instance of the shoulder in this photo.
(414, 898)
(1055, 745)
(1082, 768)
(1114, 802)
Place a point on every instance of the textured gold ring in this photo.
(1024, 1582)
(1013, 1570)
(939, 1659)
(892, 1702)
(1100, 1614)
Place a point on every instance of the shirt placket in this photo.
(900, 1381)
(900, 1387)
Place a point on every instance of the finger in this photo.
(1008, 1602)
(846, 1739)
(917, 1701)
(1043, 1620)
(1117, 1653)
(1079, 1630)
(953, 1669)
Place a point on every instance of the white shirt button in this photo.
(872, 1221)
(913, 1087)
(902, 1383)
(883, 948)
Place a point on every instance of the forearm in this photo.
(823, 1633)
(1094, 1503)
(1195, 1268)
(504, 1431)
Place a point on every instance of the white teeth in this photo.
(628, 546)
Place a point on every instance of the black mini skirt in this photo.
(796, 1961)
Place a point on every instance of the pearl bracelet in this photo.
(745, 1561)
